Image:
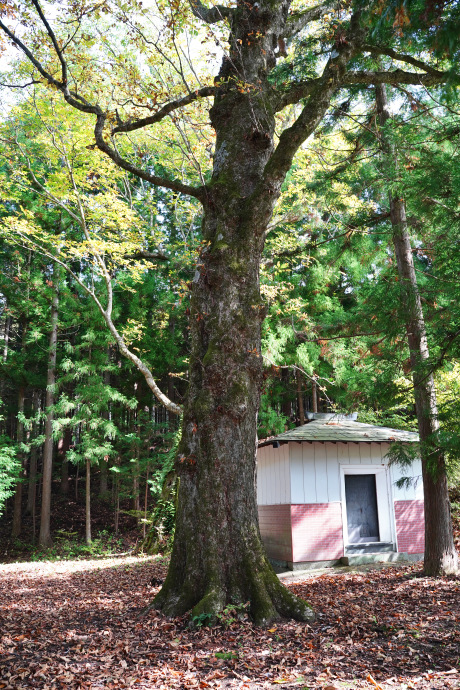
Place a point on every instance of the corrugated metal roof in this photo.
(338, 428)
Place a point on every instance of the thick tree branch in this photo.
(400, 57)
(397, 76)
(80, 103)
(54, 41)
(72, 98)
(20, 86)
(210, 15)
(313, 244)
(175, 185)
(299, 20)
(296, 93)
(165, 110)
(320, 92)
(50, 79)
(154, 256)
(143, 368)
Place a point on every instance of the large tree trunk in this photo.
(136, 475)
(217, 556)
(44, 537)
(440, 554)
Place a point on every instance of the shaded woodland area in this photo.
(215, 219)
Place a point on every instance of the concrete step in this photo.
(382, 557)
(372, 547)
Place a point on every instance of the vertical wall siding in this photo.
(333, 472)
(273, 483)
(310, 472)
(414, 492)
(315, 468)
(275, 530)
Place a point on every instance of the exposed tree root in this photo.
(269, 600)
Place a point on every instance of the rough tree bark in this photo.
(440, 554)
(217, 554)
(44, 537)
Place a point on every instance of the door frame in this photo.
(385, 505)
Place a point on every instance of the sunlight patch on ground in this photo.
(53, 568)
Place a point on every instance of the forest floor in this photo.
(68, 531)
(81, 625)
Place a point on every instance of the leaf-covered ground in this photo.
(80, 624)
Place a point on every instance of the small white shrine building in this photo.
(326, 494)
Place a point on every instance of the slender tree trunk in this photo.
(44, 537)
(17, 506)
(314, 394)
(116, 497)
(6, 338)
(62, 448)
(77, 471)
(32, 488)
(103, 478)
(136, 488)
(104, 462)
(117, 505)
(440, 554)
(64, 486)
(146, 496)
(286, 404)
(300, 405)
(88, 503)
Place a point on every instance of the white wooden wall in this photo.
(315, 468)
(415, 490)
(273, 485)
(310, 472)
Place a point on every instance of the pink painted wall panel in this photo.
(275, 530)
(410, 526)
(317, 532)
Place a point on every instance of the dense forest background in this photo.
(334, 337)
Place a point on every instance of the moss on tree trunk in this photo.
(217, 557)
